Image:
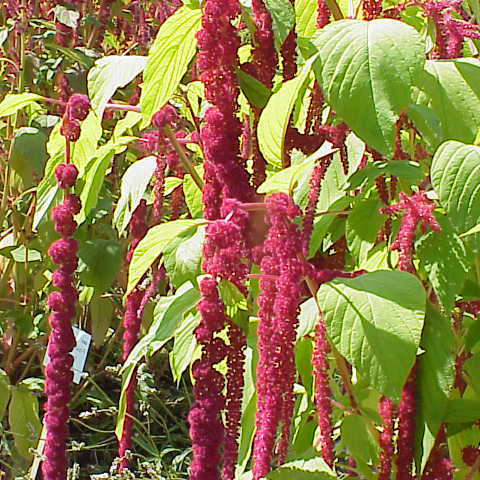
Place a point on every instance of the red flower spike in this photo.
(323, 17)
(406, 428)
(418, 209)
(323, 393)
(61, 340)
(206, 428)
(387, 412)
(278, 311)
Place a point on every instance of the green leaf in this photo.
(29, 155)
(285, 180)
(369, 67)
(283, 19)
(306, 17)
(183, 346)
(453, 93)
(363, 225)
(168, 60)
(307, 318)
(275, 117)
(12, 103)
(101, 314)
(21, 254)
(409, 172)
(444, 258)
(4, 392)
(110, 73)
(255, 91)
(312, 469)
(24, 422)
(475, 229)
(94, 175)
(101, 261)
(183, 258)
(462, 410)
(358, 438)
(455, 175)
(66, 17)
(193, 195)
(435, 376)
(153, 245)
(134, 183)
(167, 318)
(86, 146)
(375, 321)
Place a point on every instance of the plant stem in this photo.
(183, 158)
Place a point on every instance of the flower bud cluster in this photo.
(76, 111)
(61, 341)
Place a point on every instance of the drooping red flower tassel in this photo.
(439, 465)
(218, 43)
(417, 209)
(132, 323)
(278, 309)
(61, 341)
(406, 428)
(323, 393)
(387, 411)
(206, 428)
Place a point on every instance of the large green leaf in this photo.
(311, 469)
(183, 346)
(283, 19)
(435, 375)
(24, 421)
(168, 59)
(375, 321)
(153, 245)
(110, 73)
(452, 91)
(183, 258)
(363, 225)
(101, 261)
(443, 256)
(358, 438)
(28, 154)
(94, 175)
(134, 183)
(276, 116)
(12, 103)
(455, 175)
(366, 71)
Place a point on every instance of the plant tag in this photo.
(79, 352)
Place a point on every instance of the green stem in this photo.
(335, 9)
(183, 158)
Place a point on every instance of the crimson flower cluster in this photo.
(61, 342)
(387, 411)
(418, 209)
(217, 61)
(281, 285)
(206, 427)
(450, 32)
